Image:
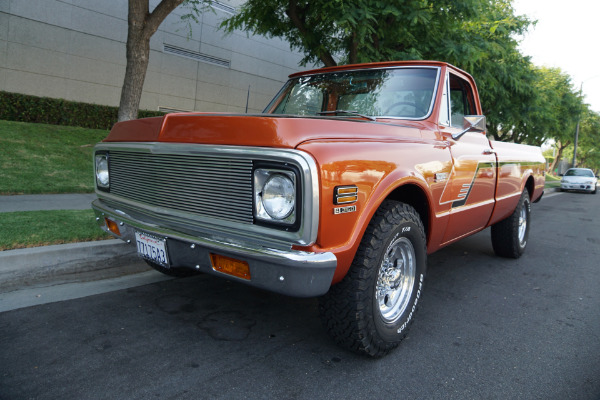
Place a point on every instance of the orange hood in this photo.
(255, 130)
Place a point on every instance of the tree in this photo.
(350, 31)
(549, 111)
(475, 35)
(141, 25)
(554, 111)
(588, 154)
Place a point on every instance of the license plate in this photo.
(152, 248)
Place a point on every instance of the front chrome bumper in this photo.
(289, 272)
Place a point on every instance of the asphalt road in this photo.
(488, 328)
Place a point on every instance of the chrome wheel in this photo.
(523, 224)
(395, 280)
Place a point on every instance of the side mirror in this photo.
(471, 123)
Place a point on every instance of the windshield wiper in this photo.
(347, 112)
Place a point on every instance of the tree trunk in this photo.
(141, 26)
(138, 56)
(561, 148)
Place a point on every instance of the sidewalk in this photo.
(33, 202)
(73, 262)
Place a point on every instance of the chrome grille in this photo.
(211, 186)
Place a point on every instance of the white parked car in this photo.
(582, 179)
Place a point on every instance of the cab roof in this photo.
(384, 64)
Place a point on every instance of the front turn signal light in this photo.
(112, 226)
(230, 266)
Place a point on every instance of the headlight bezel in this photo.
(262, 173)
(99, 158)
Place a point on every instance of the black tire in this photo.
(509, 236)
(176, 272)
(370, 312)
(594, 191)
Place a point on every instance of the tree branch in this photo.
(292, 13)
(162, 10)
(353, 51)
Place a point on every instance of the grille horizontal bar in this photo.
(210, 186)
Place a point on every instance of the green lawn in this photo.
(41, 228)
(552, 181)
(39, 158)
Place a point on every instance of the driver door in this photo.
(472, 183)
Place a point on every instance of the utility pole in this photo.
(577, 130)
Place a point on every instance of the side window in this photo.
(461, 100)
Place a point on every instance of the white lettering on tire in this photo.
(414, 307)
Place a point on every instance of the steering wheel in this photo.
(404, 103)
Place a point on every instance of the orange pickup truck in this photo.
(340, 189)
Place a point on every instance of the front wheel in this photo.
(509, 236)
(370, 310)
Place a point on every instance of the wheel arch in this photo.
(416, 197)
(530, 186)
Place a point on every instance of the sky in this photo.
(567, 36)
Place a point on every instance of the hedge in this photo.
(26, 108)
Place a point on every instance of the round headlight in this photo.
(102, 171)
(278, 196)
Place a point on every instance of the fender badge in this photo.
(344, 210)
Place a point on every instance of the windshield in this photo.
(580, 172)
(400, 93)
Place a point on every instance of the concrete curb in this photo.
(67, 263)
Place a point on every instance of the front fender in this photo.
(378, 170)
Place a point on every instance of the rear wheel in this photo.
(370, 310)
(509, 236)
(176, 272)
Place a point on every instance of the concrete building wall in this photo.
(75, 50)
